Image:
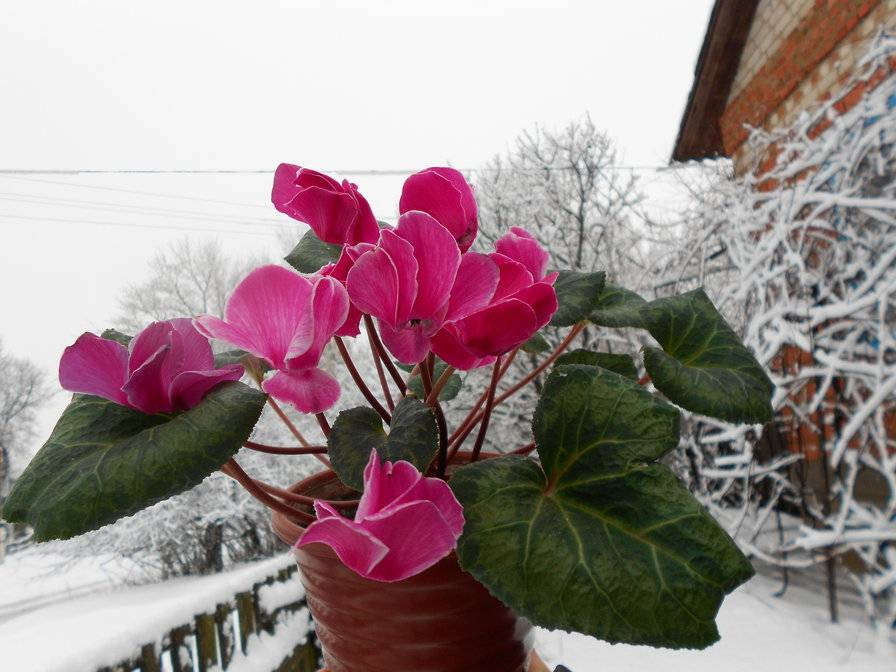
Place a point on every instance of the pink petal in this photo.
(521, 246)
(190, 387)
(197, 351)
(366, 229)
(447, 344)
(446, 195)
(147, 343)
(94, 365)
(474, 285)
(439, 493)
(145, 387)
(384, 483)
(437, 259)
(324, 510)
(358, 549)
(513, 276)
(330, 214)
(284, 189)
(542, 299)
(268, 314)
(308, 390)
(307, 177)
(407, 269)
(498, 328)
(329, 308)
(417, 536)
(410, 344)
(372, 285)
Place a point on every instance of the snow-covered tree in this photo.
(802, 257)
(24, 389)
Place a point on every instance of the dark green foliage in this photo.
(104, 461)
(600, 538)
(311, 253)
(624, 365)
(577, 295)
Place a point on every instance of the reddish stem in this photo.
(283, 450)
(440, 385)
(644, 380)
(378, 363)
(232, 469)
(384, 356)
(295, 431)
(368, 395)
(324, 424)
(523, 450)
(305, 499)
(489, 404)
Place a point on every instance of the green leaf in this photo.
(230, 357)
(618, 307)
(413, 436)
(577, 295)
(115, 335)
(104, 461)
(599, 538)
(624, 365)
(703, 366)
(451, 389)
(311, 253)
(536, 344)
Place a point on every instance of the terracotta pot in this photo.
(441, 620)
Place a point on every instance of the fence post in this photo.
(149, 659)
(206, 643)
(245, 608)
(181, 657)
(224, 623)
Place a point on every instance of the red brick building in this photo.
(765, 61)
(762, 63)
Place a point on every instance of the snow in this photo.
(759, 632)
(89, 632)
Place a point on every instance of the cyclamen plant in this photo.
(594, 534)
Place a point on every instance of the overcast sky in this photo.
(381, 84)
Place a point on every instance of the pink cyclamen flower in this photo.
(444, 194)
(521, 304)
(405, 523)
(167, 367)
(286, 319)
(337, 213)
(405, 282)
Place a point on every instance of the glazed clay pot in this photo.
(441, 620)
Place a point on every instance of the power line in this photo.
(149, 211)
(130, 225)
(140, 192)
(268, 171)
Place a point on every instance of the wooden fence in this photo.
(212, 640)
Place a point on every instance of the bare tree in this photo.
(24, 390)
(564, 188)
(186, 278)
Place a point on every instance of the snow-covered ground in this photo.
(83, 632)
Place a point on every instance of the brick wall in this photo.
(798, 53)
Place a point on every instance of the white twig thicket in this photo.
(802, 259)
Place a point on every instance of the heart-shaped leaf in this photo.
(618, 307)
(104, 461)
(601, 539)
(577, 295)
(451, 389)
(624, 365)
(312, 253)
(703, 366)
(413, 436)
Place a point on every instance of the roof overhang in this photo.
(699, 135)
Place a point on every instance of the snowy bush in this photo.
(803, 258)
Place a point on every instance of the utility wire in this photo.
(269, 171)
(140, 192)
(37, 199)
(172, 227)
